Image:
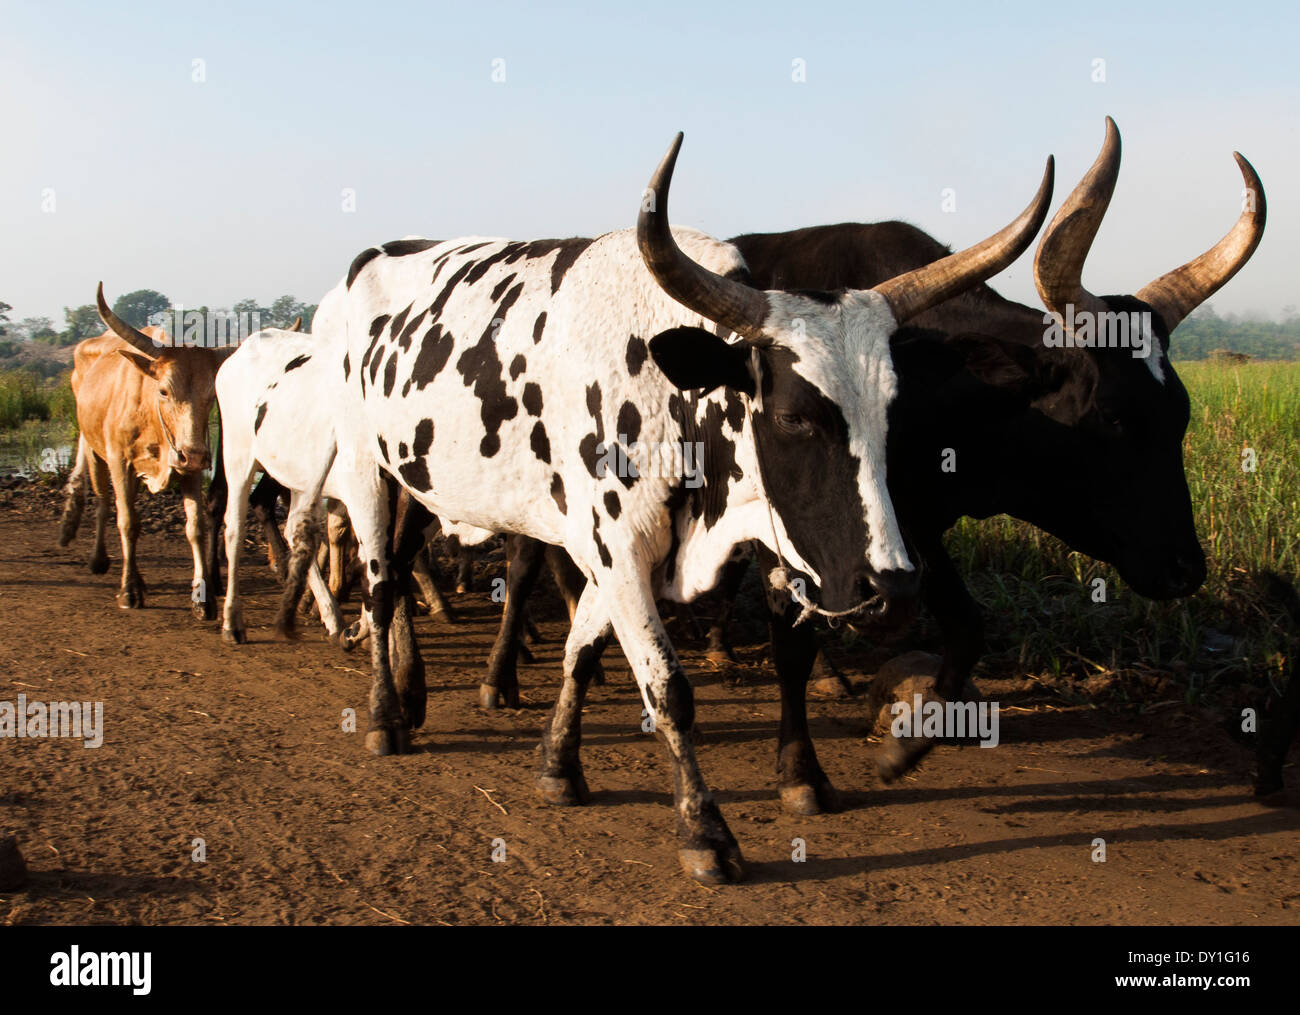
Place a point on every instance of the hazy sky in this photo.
(232, 186)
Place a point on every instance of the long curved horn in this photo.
(1058, 264)
(914, 291)
(731, 304)
(296, 325)
(1175, 295)
(122, 330)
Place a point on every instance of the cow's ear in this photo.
(1007, 366)
(145, 364)
(695, 359)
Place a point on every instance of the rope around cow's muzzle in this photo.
(779, 577)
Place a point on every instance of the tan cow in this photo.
(142, 413)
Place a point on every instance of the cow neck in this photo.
(780, 578)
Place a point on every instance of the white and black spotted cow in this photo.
(491, 379)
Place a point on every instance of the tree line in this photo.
(140, 308)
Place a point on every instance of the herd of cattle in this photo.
(499, 387)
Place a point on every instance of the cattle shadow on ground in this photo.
(824, 869)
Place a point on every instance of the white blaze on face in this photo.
(1155, 357)
(844, 353)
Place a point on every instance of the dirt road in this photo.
(242, 747)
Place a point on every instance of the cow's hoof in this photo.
(563, 791)
(13, 868)
(131, 598)
(898, 757)
(204, 610)
(443, 617)
(351, 637)
(414, 704)
(283, 632)
(234, 636)
(719, 865)
(720, 657)
(99, 565)
(492, 698)
(384, 742)
(805, 799)
(462, 588)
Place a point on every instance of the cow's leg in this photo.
(203, 596)
(946, 597)
(233, 630)
(803, 786)
(464, 568)
(570, 580)
(422, 574)
(125, 484)
(1279, 727)
(217, 495)
(75, 503)
(719, 645)
(367, 500)
(305, 525)
(265, 496)
(410, 521)
(337, 533)
(706, 848)
(524, 562)
(559, 777)
(100, 481)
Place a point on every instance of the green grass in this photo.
(1036, 592)
(25, 396)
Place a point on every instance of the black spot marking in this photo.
(679, 701)
(390, 374)
(735, 412)
(507, 253)
(517, 366)
(606, 558)
(374, 364)
(377, 325)
(423, 438)
(435, 309)
(398, 322)
(557, 493)
(629, 423)
(533, 398)
(383, 448)
(261, 414)
(374, 567)
(400, 248)
(480, 366)
(435, 350)
(566, 252)
(402, 450)
(613, 507)
(404, 339)
(589, 448)
(473, 247)
(359, 262)
(416, 474)
(347, 366)
(637, 353)
(538, 326)
(502, 286)
(296, 362)
(541, 443)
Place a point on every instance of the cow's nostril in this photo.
(895, 585)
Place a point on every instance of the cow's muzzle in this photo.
(192, 459)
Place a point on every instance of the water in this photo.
(37, 448)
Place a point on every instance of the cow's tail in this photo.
(75, 503)
(1280, 717)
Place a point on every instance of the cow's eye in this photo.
(792, 423)
(164, 393)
